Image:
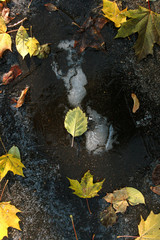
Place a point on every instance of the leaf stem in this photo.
(127, 236)
(72, 141)
(3, 190)
(15, 30)
(93, 236)
(88, 206)
(149, 6)
(73, 227)
(3, 145)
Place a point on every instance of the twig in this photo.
(15, 24)
(72, 141)
(15, 30)
(73, 227)
(3, 190)
(30, 4)
(88, 206)
(3, 145)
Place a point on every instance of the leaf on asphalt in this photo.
(76, 122)
(156, 189)
(15, 152)
(120, 198)
(11, 162)
(44, 51)
(21, 40)
(22, 98)
(149, 229)
(147, 24)
(108, 217)
(86, 188)
(89, 34)
(32, 46)
(13, 73)
(5, 39)
(112, 12)
(156, 175)
(8, 218)
(50, 7)
(136, 104)
(5, 15)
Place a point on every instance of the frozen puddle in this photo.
(75, 79)
(102, 135)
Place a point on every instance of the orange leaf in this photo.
(22, 97)
(156, 189)
(50, 7)
(136, 103)
(13, 73)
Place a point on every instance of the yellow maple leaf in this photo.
(5, 38)
(112, 12)
(8, 218)
(11, 162)
(32, 46)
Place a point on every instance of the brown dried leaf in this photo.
(156, 175)
(89, 34)
(108, 217)
(13, 73)
(136, 104)
(22, 98)
(50, 7)
(156, 189)
(5, 14)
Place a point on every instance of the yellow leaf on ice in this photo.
(76, 122)
(21, 40)
(11, 162)
(32, 46)
(112, 12)
(8, 218)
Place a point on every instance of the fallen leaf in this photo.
(120, 198)
(147, 24)
(156, 175)
(13, 73)
(89, 34)
(112, 12)
(32, 46)
(108, 217)
(50, 7)
(149, 229)
(5, 15)
(86, 188)
(8, 218)
(5, 39)
(156, 189)
(136, 104)
(21, 40)
(44, 50)
(11, 162)
(76, 122)
(22, 98)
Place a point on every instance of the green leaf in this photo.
(32, 46)
(21, 40)
(147, 24)
(112, 12)
(76, 122)
(86, 188)
(11, 162)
